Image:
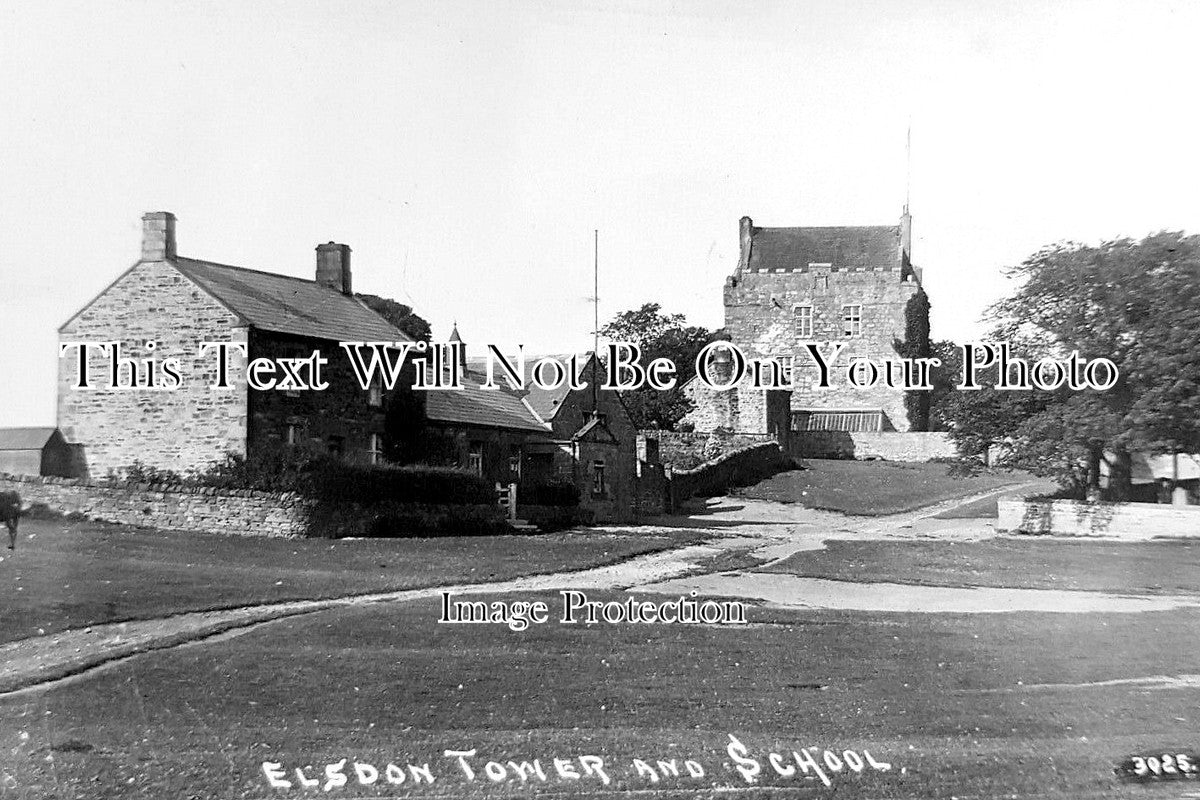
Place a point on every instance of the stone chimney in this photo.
(905, 238)
(158, 236)
(745, 236)
(333, 266)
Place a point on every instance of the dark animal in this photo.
(10, 512)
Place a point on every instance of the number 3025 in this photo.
(1176, 766)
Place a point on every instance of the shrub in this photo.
(555, 518)
(401, 520)
(137, 472)
(558, 492)
(421, 485)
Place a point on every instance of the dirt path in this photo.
(767, 530)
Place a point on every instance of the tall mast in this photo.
(595, 320)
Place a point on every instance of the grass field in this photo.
(874, 488)
(990, 705)
(1163, 567)
(69, 575)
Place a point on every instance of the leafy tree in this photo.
(398, 314)
(944, 378)
(1129, 301)
(660, 335)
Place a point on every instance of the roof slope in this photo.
(544, 402)
(281, 303)
(793, 249)
(25, 438)
(472, 405)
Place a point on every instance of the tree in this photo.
(1131, 302)
(400, 315)
(660, 335)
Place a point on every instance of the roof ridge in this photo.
(249, 269)
(822, 227)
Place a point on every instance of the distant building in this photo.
(35, 451)
(850, 285)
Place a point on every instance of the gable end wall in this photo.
(179, 429)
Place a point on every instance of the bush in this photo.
(560, 493)
(555, 518)
(137, 472)
(368, 485)
(401, 520)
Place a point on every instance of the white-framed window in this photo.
(599, 487)
(514, 461)
(475, 458)
(375, 392)
(852, 319)
(292, 435)
(375, 449)
(802, 321)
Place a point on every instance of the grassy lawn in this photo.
(874, 488)
(989, 705)
(1161, 567)
(69, 575)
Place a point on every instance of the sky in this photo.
(467, 151)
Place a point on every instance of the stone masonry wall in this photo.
(889, 446)
(241, 512)
(1079, 518)
(759, 318)
(190, 426)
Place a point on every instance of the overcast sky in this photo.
(466, 151)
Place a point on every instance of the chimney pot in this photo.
(333, 266)
(158, 236)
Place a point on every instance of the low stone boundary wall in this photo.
(689, 450)
(739, 468)
(886, 445)
(1081, 518)
(243, 512)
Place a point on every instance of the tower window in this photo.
(802, 319)
(852, 320)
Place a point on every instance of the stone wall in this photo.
(759, 309)
(1080, 518)
(242, 512)
(888, 446)
(738, 468)
(689, 450)
(175, 429)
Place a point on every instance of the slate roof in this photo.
(472, 405)
(793, 249)
(284, 304)
(25, 438)
(544, 402)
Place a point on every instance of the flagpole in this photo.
(595, 320)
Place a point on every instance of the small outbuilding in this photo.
(35, 451)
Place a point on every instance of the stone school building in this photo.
(166, 305)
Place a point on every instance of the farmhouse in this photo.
(149, 393)
(164, 307)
